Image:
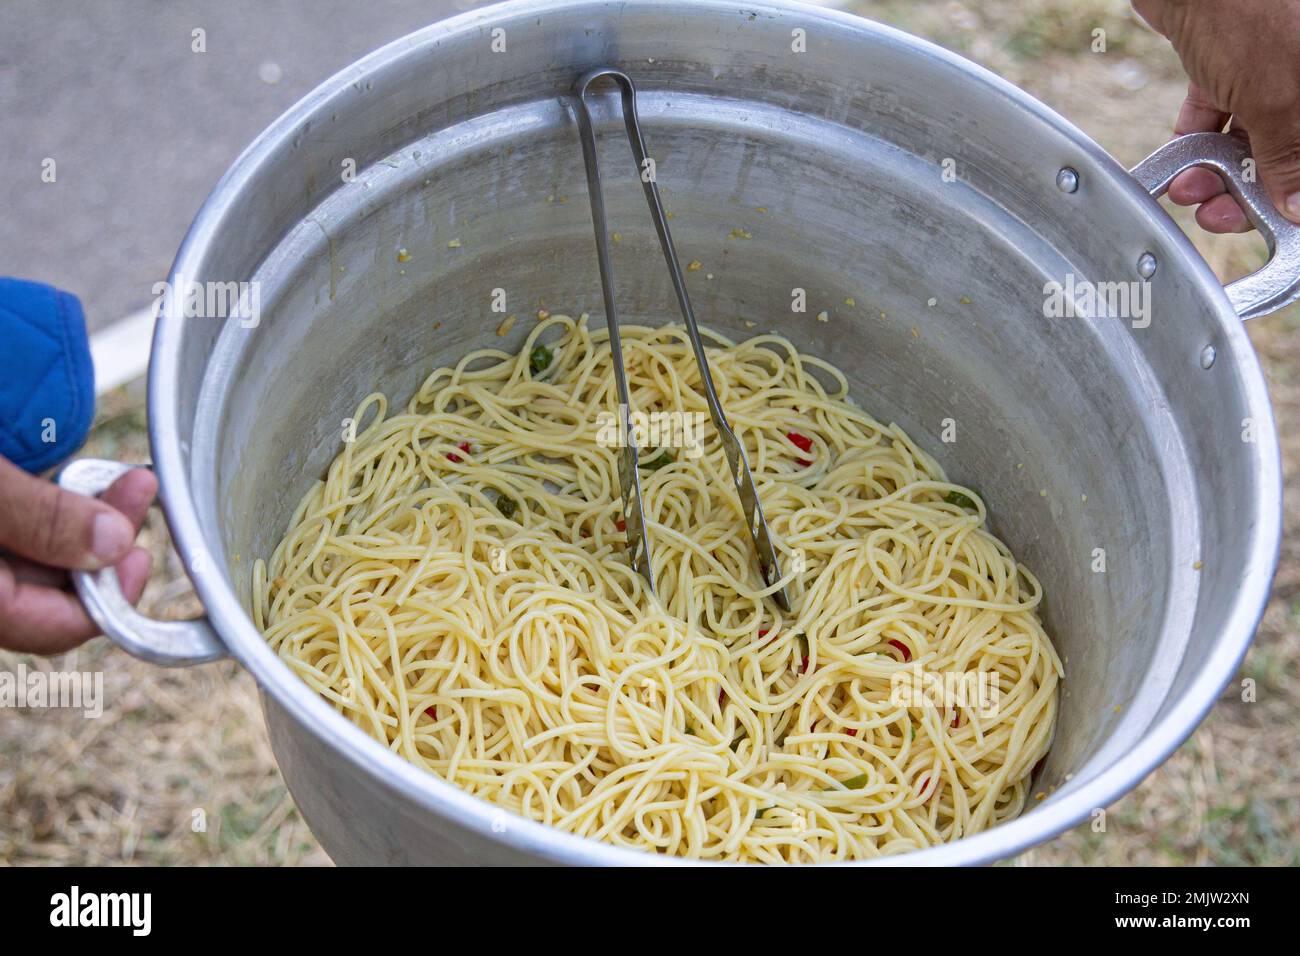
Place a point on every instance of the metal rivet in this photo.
(1147, 265)
(1208, 355)
(1067, 180)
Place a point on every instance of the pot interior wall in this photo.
(947, 324)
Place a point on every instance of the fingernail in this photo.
(110, 536)
(1292, 206)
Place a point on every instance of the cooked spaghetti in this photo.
(458, 586)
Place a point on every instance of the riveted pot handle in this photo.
(1277, 284)
(171, 643)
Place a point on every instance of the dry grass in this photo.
(128, 786)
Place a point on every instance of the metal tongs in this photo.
(638, 540)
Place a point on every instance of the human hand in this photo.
(46, 531)
(1243, 60)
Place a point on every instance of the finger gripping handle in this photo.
(170, 643)
(1275, 285)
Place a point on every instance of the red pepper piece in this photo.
(803, 443)
(455, 458)
(902, 648)
(925, 783)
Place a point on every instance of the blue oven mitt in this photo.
(47, 382)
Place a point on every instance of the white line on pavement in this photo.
(120, 352)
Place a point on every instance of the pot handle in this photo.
(170, 643)
(1275, 285)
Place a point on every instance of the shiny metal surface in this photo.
(638, 540)
(629, 477)
(1277, 284)
(843, 147)
(169, 643)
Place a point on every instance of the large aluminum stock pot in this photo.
(1151, 435)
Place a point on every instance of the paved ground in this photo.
(141, 127)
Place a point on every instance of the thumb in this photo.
(42, 522)
(1152, 12)
(1276, 147)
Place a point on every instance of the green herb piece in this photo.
(507, 505)
(539, 359)
(657, 462)
(855, 783)
(960, 500)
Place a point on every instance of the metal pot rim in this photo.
(441, 798)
